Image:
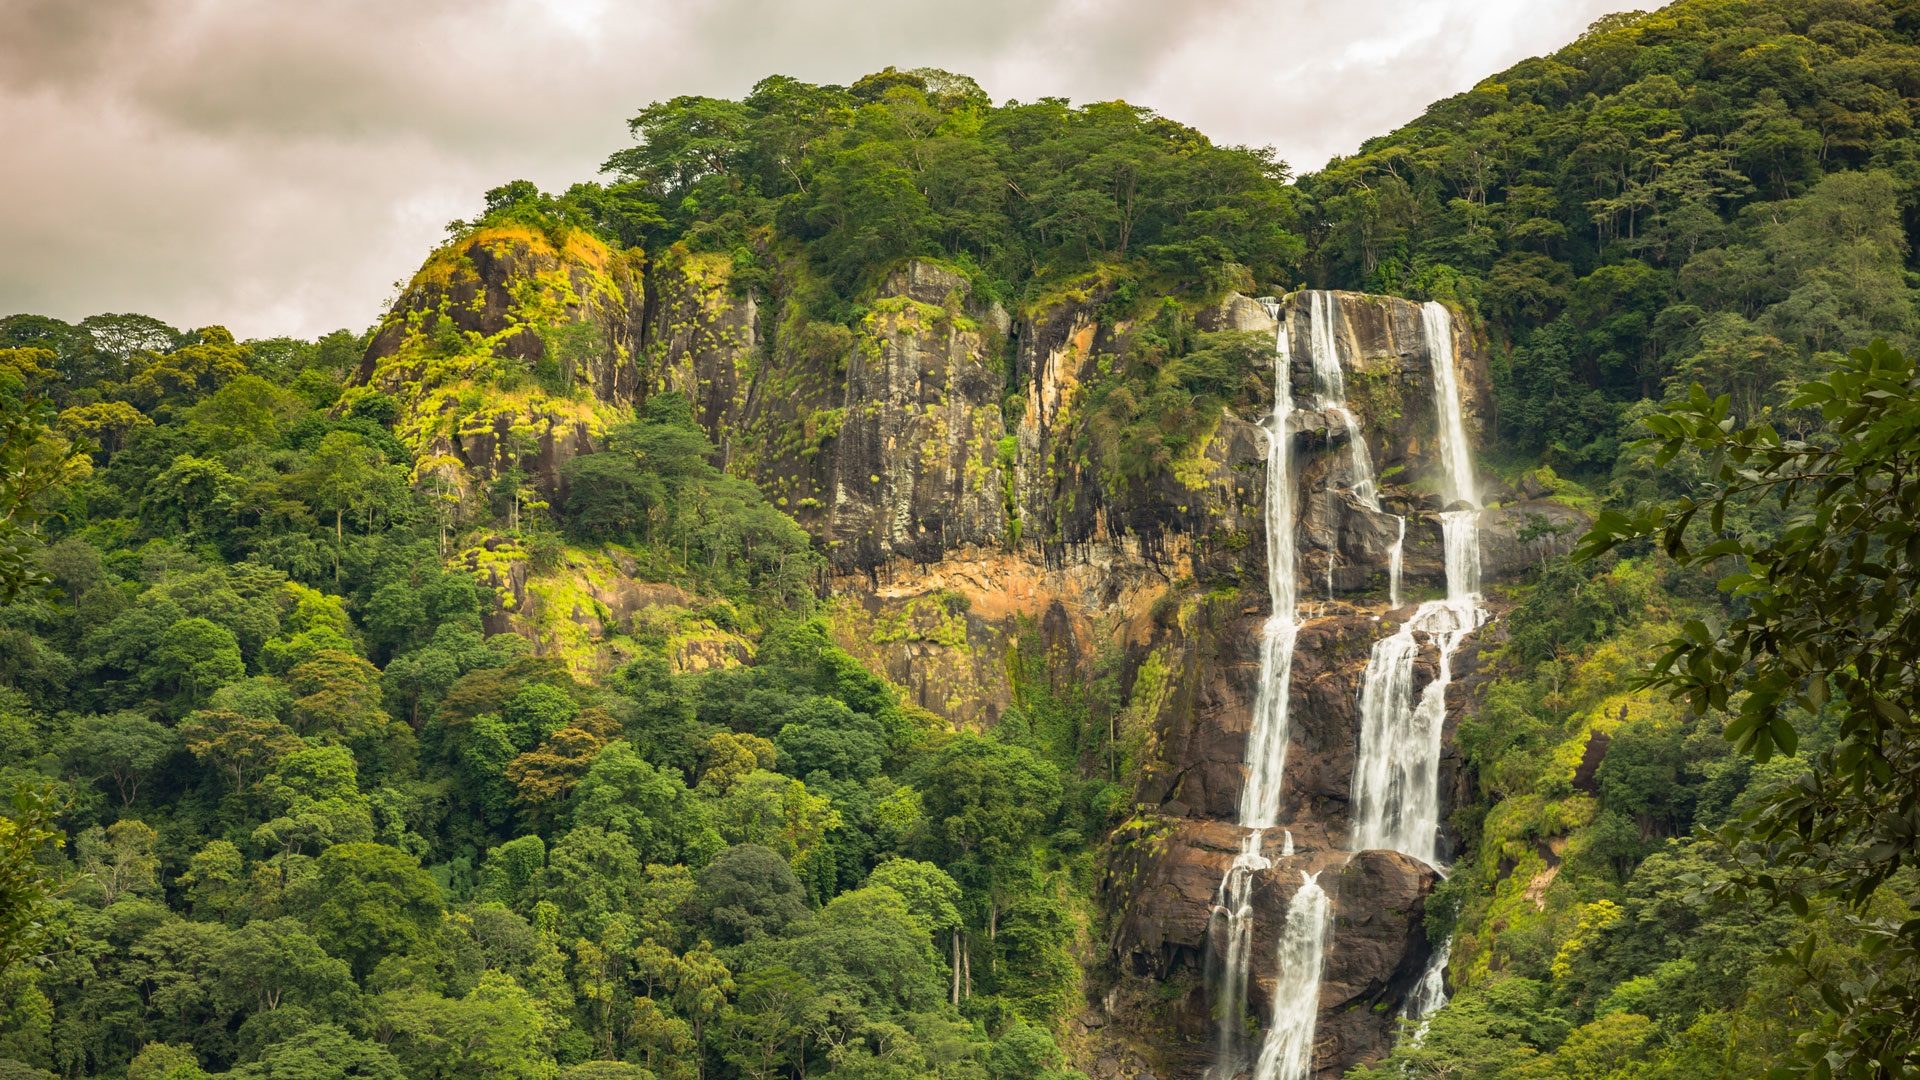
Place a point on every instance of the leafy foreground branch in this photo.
(1825, 641)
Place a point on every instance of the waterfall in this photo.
(1396, 782)
(1400, 750)
(1456, 456)
(1330, 393)
(1429, 993)
(1267, 737)
(1459, 494)
(1267, 734)
(1288, 1052)
(1233, 906)
(1396, 779)
(1396, 560)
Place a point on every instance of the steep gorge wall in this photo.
(931, 449)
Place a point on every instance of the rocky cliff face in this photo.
(930, 448)
(1169, 863)
(510, 348)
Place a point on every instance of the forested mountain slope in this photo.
(1720, 193)
(784, 610)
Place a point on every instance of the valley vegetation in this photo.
(285, 808)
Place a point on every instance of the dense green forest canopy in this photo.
(1716, 192)
(314, 814)
(922, 163)
(288, 810)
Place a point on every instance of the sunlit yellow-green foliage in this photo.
(515, 357)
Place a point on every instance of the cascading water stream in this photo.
(1267, 734)
(1330, 395)
(1429, 993)
(1396, 561)
(1397, 774)
(1287, 1053)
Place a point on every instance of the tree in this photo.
(269, 964)
(985, 803)
(664, 1039)
(545, 776)
(1828, 627)
(511, 875)
(865, 944)
(197, 495)
(1035, 970)
(122, 337)
(779, 812)
(104, 424)
(1597, 1051)
(731, 756)
(593, 873)
(165, 1061)
(701, 983)
(364, 902)
(609, 496)
(652, 807)
(316, 793)
(745, 893)
(161, 1061)
(197, 657)
(933, 897)
(765, 1031)
(1025, 1050)
(33, 463)
(123, 747)
(421, 677)
(339, 697)
(120, 858)
(600, 967)
(493, 1033)
(247, 410)
(349, 475)
(241, 747)
(824, 735)
(216, 881)
(190, 371)
(322, 1052)
(25, 831)
(537, 711)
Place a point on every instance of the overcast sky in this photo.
(277, 165)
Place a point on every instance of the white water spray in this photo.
(1396, 560)
(1330, 396)
(1429, 993)
(1396, 783)
(1288, 1051)
(1267, 737)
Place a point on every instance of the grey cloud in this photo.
(278, 166)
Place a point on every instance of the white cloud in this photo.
(276, 167)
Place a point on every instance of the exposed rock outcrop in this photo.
(915, 465)
(933, 447)
(510, 348)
